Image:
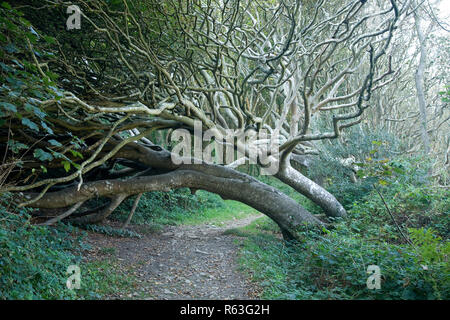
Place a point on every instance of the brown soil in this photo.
(180, 262)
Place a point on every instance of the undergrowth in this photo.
(156, 209)
(34, 261)
(333, 265)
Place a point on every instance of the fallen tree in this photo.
(139, 68)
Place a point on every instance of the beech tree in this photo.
(414, 107)
(96, 95)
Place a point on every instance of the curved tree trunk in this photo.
(311, 190)
(227, 183)
(224, 181)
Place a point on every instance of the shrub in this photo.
(34, 260)
(334, 266)
(360, 144)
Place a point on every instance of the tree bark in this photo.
(311, 190)
(227, 183)
(419, 79)
(116, 200)
(133, 209)
(224, 181)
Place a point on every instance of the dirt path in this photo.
(183, 262)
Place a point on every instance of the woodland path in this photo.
(180, 262)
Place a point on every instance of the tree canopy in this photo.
(89, 112)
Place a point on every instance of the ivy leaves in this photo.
(51, 155)
(42, 155)
(8, 107)
(29, 114)
(15, 146)
(30, 124)
(55, 143)
(24, 87)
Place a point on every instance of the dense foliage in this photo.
(34, 261)
(333, 265)
(84, 107)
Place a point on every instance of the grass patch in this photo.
(334, 266)
(180, 207)
(218, 216)
(103, 279)
(258, 226)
